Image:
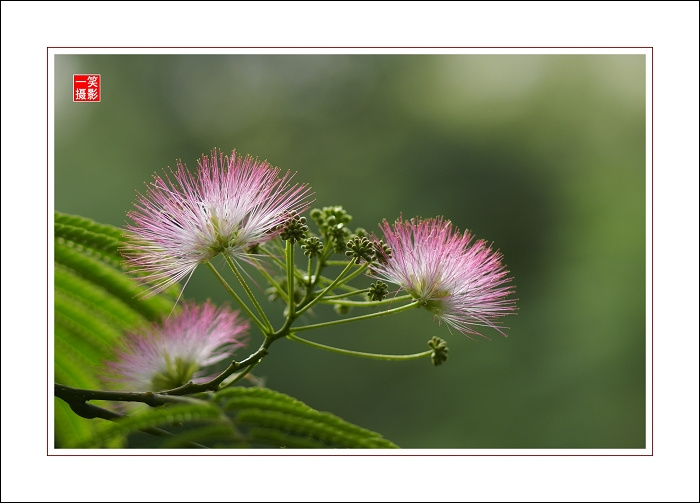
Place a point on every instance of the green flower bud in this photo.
(360, 249)
(377, 291)
(341, 309)
(294, 229)
(312, 246)
(439, 347)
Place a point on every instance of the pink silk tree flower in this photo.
(461, 282)
(178, 350)
(230, 205)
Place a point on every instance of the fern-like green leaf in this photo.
(103, 239)
(306, 428)
(272, 415)
(95, 300)
(113, 280)
(168, 416)
(290, 409)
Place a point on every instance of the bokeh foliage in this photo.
(542, 154)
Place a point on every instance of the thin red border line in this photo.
(48, 48)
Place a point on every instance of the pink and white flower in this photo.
(178, 350)
(461, 282)
(231, 204)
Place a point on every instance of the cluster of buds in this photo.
(362, 249)
(332, 222)
(294, 228)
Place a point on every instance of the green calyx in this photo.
(430, 297)
(435, 305)
(223, 241)
(176, 373)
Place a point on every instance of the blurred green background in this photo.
(544, 155)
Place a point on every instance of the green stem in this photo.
(240, 302)
(289, 255)
(274, 258)
(328, 288)
(309, 273)
(371, 356)
(367, 303)
(335, 262)
(328, 281)
(356, 273)
(239, 376)
(278, 288)
(328, 250)
(346, 294)
(350, 277)
(358, 318)
(278, 245)
(248, 291)
(320, 264)
(281, 264)
(234, 367)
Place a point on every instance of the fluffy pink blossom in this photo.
(231, 204)
(461, 282)
(178, 350)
